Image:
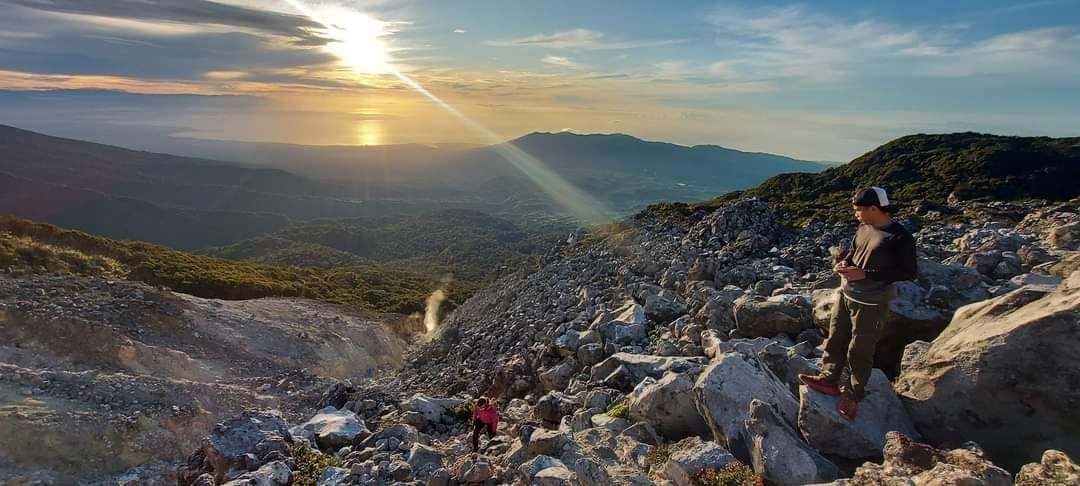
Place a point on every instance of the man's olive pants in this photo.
(854, 332)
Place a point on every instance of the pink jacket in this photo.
(487, 415)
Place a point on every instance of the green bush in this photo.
(309, 464)
(733, 474)
(461, 412)
(619, 410)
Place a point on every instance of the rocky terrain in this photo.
(665, 350)
(100, 376)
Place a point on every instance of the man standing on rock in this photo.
(882, 252)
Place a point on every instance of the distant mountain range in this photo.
(191, 203)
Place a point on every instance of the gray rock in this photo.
(723, 393)
(907, 462)
(879, 412)
(1065, 237)
(274, 473)
(755, 316)
(547, 442)
(558, 377)
(642, 432)
(333, 476)
(640, 366)
(431, 408)
(475, 472)
(778, 453)
(691, 455)
(605, 421)
(664, 403)
(528, 470)
(228, 445)
(554, 406)
(590, 354)
(1017, 355)
(553, 476)
(591, 473)
(424, 460)
(332, 429)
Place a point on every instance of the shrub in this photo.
(309, 464)
(619, 410)
(461, 412)
(658, 456)
(733, 474)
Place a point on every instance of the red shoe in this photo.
(820, 384)
(847, 407)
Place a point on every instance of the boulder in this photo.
(554, 406)
(908, 462)
(232, 442)
(717, 313)
(1065, 237)
(558, 377)
(605, 421)
(778, 453)
(274, 473)
(723, 393)
(642, 432)
(1055, 468)
(547, 442)
(756, 316)
(431, 408)
(591, 473)
(532, 467)
(333, 476)
(332, 429)
(590, 354)
(664, 307)
(879, 412)
(639, 366)
(553, 476)
(474, 472)
(664, 403)
(424, 460)
(1003, 374)
(692, 455)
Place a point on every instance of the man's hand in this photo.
(852, 273)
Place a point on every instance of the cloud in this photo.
(459, 31)
(563, 62)
(792, 44)
(184, 12)
(581, 39)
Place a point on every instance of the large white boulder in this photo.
(1004, 374)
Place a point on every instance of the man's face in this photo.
(864, 213)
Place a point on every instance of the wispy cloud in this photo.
(459, 31)
(186, 11)
(582, 39)
(562, 62)
(794, 44)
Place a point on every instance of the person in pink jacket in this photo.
(485, 419)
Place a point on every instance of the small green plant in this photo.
(619, 410)
(461, 412)
(309, 465)
(733, 474)
(658, 456)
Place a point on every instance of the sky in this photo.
(823, 80)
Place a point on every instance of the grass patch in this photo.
(733, 474)
(309, 464)
(619, 410)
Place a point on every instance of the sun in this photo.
(357, 41)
